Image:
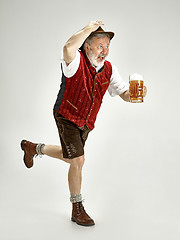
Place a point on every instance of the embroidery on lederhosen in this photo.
(71, 150)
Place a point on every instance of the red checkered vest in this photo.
(81, 95)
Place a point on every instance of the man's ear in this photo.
(86, 47)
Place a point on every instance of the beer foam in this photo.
(135, 76)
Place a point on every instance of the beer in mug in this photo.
(136, 88)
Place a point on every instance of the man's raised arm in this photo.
(76, 41)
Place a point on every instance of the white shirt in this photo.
(117, 85)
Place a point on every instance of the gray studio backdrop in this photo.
(131, 175)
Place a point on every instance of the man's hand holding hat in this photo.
(94, 25)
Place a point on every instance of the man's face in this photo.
(98, 50)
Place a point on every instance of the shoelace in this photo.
(81, 208)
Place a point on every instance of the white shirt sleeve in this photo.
(117, 85)
(72, 68)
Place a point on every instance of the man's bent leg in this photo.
(31, 149)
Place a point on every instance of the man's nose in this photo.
(104, 50)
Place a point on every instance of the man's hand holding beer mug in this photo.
(137, 91)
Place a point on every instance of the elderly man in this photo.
(86, 76)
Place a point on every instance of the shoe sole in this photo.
(85, 225)
(22, 142)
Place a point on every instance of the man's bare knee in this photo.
(78, 162)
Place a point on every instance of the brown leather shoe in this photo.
(80, 216)
(29, 149)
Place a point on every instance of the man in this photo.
(86, 76)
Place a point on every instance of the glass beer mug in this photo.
(136, 85)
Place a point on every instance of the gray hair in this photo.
(98, 35)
